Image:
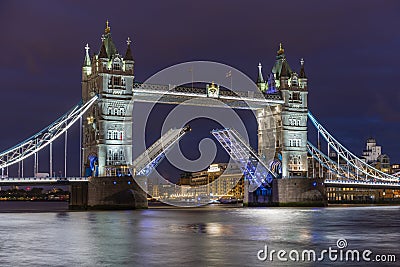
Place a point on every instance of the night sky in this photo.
(350, 48)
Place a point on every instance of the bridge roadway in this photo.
(41, 180)
(4, 181)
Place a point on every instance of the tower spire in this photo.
(87, 57)
(285, 72)
(107, 29)
(260, 78)
(302, 71)
(281, 50)
(103, 51)
(128, 54)
(110, 49)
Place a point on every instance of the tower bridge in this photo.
(297, 172)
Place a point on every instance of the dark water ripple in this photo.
(213, 236)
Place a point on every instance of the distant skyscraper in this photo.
(372, 151)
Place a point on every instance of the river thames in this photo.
(208, 236)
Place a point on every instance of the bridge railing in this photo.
(254, 168)
(202, 92)
(43, 138)
(359, 166)
(149, 159)
(42, 179)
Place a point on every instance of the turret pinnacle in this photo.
(128, 54)
(302, 71)
(107, 29)
(87, 57)
(260, 78)
(281, 50)
(103, 52)
(285, 72)
(109, 46)
(281, 66)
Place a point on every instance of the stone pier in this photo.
(108, 193)
(295, 192)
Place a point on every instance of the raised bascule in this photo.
(295, 173)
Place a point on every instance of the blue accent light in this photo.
(271, 84)
(314, 184)
(129, 182)
(114, 182)
(93, 161)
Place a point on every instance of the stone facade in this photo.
(107, 130)
(299, 192)
(289, 192)
(282, 136)
(285, 124)
(115, 193)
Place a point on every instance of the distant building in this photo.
(185, 178)
(372, 151)
(374, 157)
(395, 168)
(383, 163)
(362, 195)
(155, 191)
(220, 178)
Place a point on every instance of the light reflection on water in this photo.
(214, 236)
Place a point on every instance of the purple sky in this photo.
(351, 50)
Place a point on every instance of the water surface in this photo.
(212, 236)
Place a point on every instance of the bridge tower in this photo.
(107, 128)
(107, 132)
(288, 123)
(293, 117)
(290, 118)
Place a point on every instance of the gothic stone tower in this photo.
(107, 140)
(107, 131)
(288, 123)
(294, 117)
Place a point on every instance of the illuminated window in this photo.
(295, 97)
(115, 134)
(296, 142)
(295, 162)
(116, 80)
(294, 122)
(117, 66)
